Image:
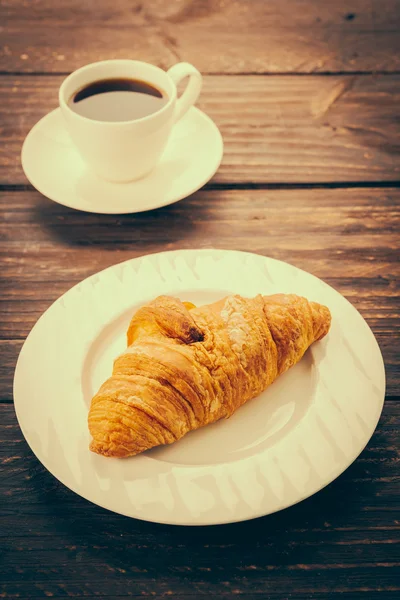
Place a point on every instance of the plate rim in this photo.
(257, 514)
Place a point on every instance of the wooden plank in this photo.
(222, 37)
(342, 541)
(348, 237)
(336, 583)
(380, 594)
(327, 594)
(9, 351)
(298, 129)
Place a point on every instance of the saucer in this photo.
(54, 167)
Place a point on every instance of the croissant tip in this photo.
(322, 320)
(94, 447)
(99, 448)
(110, 451)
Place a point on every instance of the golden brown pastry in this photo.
(186, 367)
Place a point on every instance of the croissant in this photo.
(186, 367)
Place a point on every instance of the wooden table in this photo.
(306, 94)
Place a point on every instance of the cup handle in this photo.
(193, 88)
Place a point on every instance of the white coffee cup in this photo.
(127, 150)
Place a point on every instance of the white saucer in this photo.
(54, 167)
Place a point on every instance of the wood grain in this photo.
(348, 237)
(344, 541)
(217, 36)
(329, 116)
(296, 129)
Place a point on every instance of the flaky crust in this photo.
(185, 367)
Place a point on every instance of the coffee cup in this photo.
(123, 141)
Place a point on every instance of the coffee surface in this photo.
(119, 99)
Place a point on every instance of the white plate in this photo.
(53, 166)
(279, 448)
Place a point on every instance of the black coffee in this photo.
(117, 100)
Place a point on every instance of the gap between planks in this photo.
(224, 74)
(22, 187)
